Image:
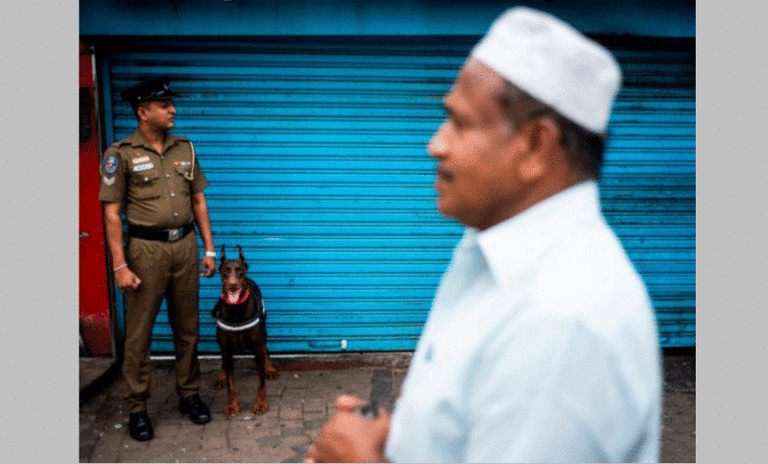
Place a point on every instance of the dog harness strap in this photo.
(238, 328)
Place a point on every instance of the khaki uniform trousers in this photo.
(170, 270)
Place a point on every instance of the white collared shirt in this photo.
(541, 346)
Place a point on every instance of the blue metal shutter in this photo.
(648, 188)
(315, 152)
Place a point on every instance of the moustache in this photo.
(444, 174)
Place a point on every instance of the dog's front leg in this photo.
(233, 405)
(270, 370)
(260, 403)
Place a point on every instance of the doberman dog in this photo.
(241, 320)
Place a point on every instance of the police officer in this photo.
(160, 181)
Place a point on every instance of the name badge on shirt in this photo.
(143, 167)
(141, 159)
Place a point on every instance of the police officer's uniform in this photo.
(161, 249)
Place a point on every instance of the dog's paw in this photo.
(233, 409)
(260, 407)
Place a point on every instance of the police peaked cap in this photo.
(154, 88)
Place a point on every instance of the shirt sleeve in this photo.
(112, 173)
(552, 393)
(199, 182)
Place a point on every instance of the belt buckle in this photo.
(174, 234)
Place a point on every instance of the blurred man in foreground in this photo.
(541, 344)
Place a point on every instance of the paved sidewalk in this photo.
(301, 400)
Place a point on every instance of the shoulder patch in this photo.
(111, 164)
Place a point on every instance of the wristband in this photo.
(210, 254)
(120, 267)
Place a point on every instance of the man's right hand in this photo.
(349, 437)
(127, 280)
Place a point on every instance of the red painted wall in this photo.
(95, 325)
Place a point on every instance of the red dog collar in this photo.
(229, 299)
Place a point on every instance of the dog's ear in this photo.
(223, 259)
(242, 257)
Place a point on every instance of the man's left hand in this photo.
(209, 266)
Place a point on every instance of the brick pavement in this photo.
(300, 402)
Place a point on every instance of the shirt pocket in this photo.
(184, 172)
(145, 185)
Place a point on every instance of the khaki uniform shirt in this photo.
(156, 188)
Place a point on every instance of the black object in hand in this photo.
(370, 411)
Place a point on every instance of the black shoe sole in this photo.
(140, 438)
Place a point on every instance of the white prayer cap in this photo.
(554, 63)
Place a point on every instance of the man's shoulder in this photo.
(125, 142)
(592, 268)
(178, 138)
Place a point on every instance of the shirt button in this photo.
(173, 194)
(146, 179)
(167, 175)
(175, 214)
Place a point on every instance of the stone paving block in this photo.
(292, 432)
(158, 450)
(135, 451)
(313, 424)
(311, 416)
(289, 424)
(270, 420)
(314, 405)
(290, 413)
(215, 436)
(219, 455)
(166, 429)
(270, 454)
(298, 445)
(107, 448)
(255, 446)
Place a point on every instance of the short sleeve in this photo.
(199, 182)
(112, 177)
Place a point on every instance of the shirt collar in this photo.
(137, 139)
(513, 245)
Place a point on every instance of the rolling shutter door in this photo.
(315, 153)
(648, 187)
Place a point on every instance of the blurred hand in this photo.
(209, 266)
(349, 437)
(127, 280)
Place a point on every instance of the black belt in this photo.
(163, 235)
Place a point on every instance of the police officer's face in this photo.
(477, 152)
(159, 114)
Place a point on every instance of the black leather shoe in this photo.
(198, 413)
(140, 427)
